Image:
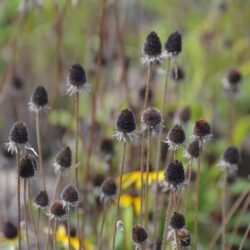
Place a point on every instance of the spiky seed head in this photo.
(174, 43)
(151, 117)
(19, 133)
(178, 74)
(174, 174)
(57, 210)
(202, 128)
(107, 146)
(126, 121)
(152, 45)
(185, 114)
(176, 134)
(109, 187)
(139, 234)
(42, 199)
(64, 158)
(177, 221)
(70, 194)
(40, 97)
(77, 75)
(234, 76)
(28, 167)
(194, 149)
(231, 155)
(9, 231)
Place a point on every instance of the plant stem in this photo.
(101, 229)
(177, 240)
(165, 233)
(188, 187)
(245, 237)
(54, 236)
(224, 210)
(230, 108)
(47, 238)
(38, 226)
(119, 192)
(25, 216)
(58, 178)
(68, 227)
(147, 179)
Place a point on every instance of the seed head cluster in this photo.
(139, 234)
(173, 44)
(70, 196)
(174, 173)
(42, 200)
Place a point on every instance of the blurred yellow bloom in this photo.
(127, 200)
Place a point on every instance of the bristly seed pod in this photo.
(193, 150)
(125, 126)
(108, 190)
(107, 148)
(173, 45)
(178, 74)
(231, 83)
(175, 137)
(63, 161)
(202, 130)
(151, 118)
(139, 235)
(70, 196)
(57, 211)
(177, 221)
(28, 168)
(9, 231)
(42, 200)
(152, 48)
(39, 100)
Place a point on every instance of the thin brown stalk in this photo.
(177, 240)
(119, 193)
(188, 187)
(58, 178)
(54, 235)
(230, 110)
(25, 216)
(39, 146)
(47, 238)
(38, 226)
(224, 210)
(68, 227)
(165, 233)
(147, 178)
(101, 229)
(245, 237)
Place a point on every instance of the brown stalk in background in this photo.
(25, 215)
(244, 237)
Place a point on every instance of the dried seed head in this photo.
(6, 153)
(109, 187)
(139, 234)
(174, 174)
(151, 118)
(142, 93)
(177, 221)
(194, 149)
(202, 128)
(176, 134)
(40, 97)
(64, 158)
(70, 195)
(42, 199)
(77, 76)
(107, 147)
(185, 114)
(178, 74)
(173, 44)
(19, 133)
(28, 167)
(57, 211)
(231, 155)
(185, 237)
(9, 231)
(152, 45)
(234, 76)
(17, 83)
(126, 121)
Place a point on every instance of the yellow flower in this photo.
(127, 200)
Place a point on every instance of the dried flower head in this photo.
(125, 126)
(139, 235)
(70, 196)
(174, 177)
(41, 200)
(184, 238)
(57, 211)
(175, 137)
(28, 167)
(63, 161)
(107, 148)
(142, 93)
(6, 153)
(177, 74)
(17, 83)
(177, 221)
(77, 80)
(183, 116)
(231, 82)
(9, 231)
(193, 150)
(173, 45)
(108, 190)
(230, 159)
(151, 119)
(39, 100)
(152, 48)
(202, 130)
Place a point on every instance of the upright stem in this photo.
(188, 187)
(54, 236)
(39, 145)
(147, 179)
(158, 156)
(224, 206)
(119, 193)
(68, 227)
(18, 197)
(58, 178)
(245, 237)
(38, 226)
(47, 238)
(101, 229)
(25, 216)
(177, 240)
(230, 108)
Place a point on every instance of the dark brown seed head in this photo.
(107, 146)
(19, 133)
(174, 43)
(231, 155)
(70, 194)
(142, 93)
(42, 199)
(9, 231)
(28, 167)
(151, 117)
(152, 45)
(57, 209)
(109, 187)
(177, 221)
(185, 114)
(64, 158)
(40, 96)
(194, 149)
(6, 153)
(185, 237)
(177, 74)
(139, 234)
(77, 76)
(174, 174)
(126, 121)
(202, 128)
(176, 134)
(234, 76)
(17, 83)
